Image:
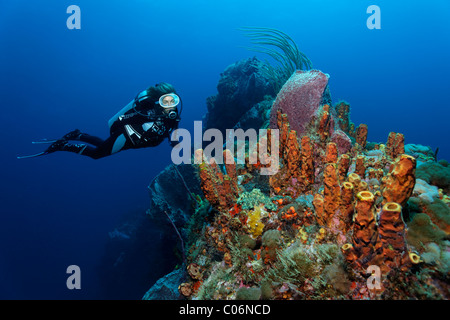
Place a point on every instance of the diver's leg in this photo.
(84, 137)
(96, 141)
(109, 146)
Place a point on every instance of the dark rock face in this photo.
(136, 254)
(145, 247)
(168, 193)
(166, 288)
(257, 117)
(241, 86)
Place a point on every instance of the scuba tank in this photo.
(127, 108)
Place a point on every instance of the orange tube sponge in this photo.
(292, 154)
(206, 180)
(185, 289)
(284, 133)
(361, 135)
(331, 191)
(216, 170)
(346, 205)
(399, 144)
(324, 123)
(307, 163)
(349, 252)
(361, 186)
(220, 190)
(343, 166)
(331, 153)
(343, 113)
(230, 166)
(391, 243)
(365, 226)
(395, 145)
(391, 229)
(318, 204)
(371, 174)
(354, 179)
(195, 271)
(399, 183)
(379, 174)
(375, 174)
(389, 148)
(360, 167)
(279, 123)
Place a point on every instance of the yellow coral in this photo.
(302, 235)
(254, 224)
(321, 235)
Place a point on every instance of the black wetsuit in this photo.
(140, 127)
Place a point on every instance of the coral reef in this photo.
(339, 208)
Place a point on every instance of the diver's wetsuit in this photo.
(146, 126)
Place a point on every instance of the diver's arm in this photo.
(173, 143)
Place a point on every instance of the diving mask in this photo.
(169, 100)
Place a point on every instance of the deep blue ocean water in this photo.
(57, 210)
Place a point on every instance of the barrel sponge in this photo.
(300, 98)
(435, 173)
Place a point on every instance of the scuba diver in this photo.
(144, 122)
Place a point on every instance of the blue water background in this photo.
(58, 210)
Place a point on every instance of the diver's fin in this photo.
(43, 153)
(44, 141)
